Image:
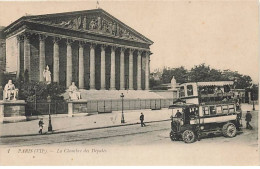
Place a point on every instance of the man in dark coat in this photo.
(142, 120)
(248, 119)
(178, 114)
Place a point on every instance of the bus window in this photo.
(226, 88)
(225, 108)
(212, 110)
(182, 94)
(219, 109)
(203, 90)
(205, 110)
(211, 89)
(231, 108)
(189, 90)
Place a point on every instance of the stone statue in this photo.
(74, 93)
(10, 92)
(173, 83)
(47, 75)
(114, 29)
(92, 24)
(65, 23)
(84, 23)
(99, 23)
(110, 26)
(117, 30)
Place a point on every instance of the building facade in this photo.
(91, 48)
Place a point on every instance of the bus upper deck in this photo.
(207, 92)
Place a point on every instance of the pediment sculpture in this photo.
(93, 23)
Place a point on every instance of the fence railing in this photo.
(92, 106)
(43, 108)
(133, 104)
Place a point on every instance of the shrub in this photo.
(41, 90)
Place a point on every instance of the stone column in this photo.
(19, 39)
(27, 55)
(81, 66)
(92, 66)
(122, 69)
(42, 55)
(147, 71)
(56, 59)
(139, 69)
(69, 63)
(131, 70)
(103, 67)
(113, 69)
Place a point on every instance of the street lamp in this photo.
(253, 100)
(35, 101)
(49, 101)
(122, 118)
(252, 97)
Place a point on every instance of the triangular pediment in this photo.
(95, 21)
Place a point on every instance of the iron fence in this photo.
(92, 106)
(43, 108)
(133, 104)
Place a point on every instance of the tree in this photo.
(41, 90)
(203, 73)
(200, 73)
(240, 81)
(254, 92)
(180, 74)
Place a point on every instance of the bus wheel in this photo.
(229, 130)
(174, 136)
(188, 136)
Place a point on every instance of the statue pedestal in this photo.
(77, 108)
(12, 111)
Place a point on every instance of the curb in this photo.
(85, 129)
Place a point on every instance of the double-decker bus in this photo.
(207, 108)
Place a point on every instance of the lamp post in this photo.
(122, 118)
(49, 101)
(35, 101)
(252, 96)
(253, 102)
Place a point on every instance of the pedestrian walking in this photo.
(142, 120)
(40, 126)
(248, 119)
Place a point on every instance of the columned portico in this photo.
(81, 66)
(69, 63)
(103, 68)
(56, 59)
(139, 70)
(131, 69)
(27, 55)
(147, 70)
(92, 66)
(122, 68)
(42, 55)
(92, 62)
(113, 69)
(19, 40)
(111, 47)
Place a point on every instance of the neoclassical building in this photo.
(91, 48)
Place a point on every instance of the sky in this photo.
(222, 34)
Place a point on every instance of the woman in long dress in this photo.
(47, 75)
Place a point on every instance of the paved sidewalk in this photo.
(69, 124)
